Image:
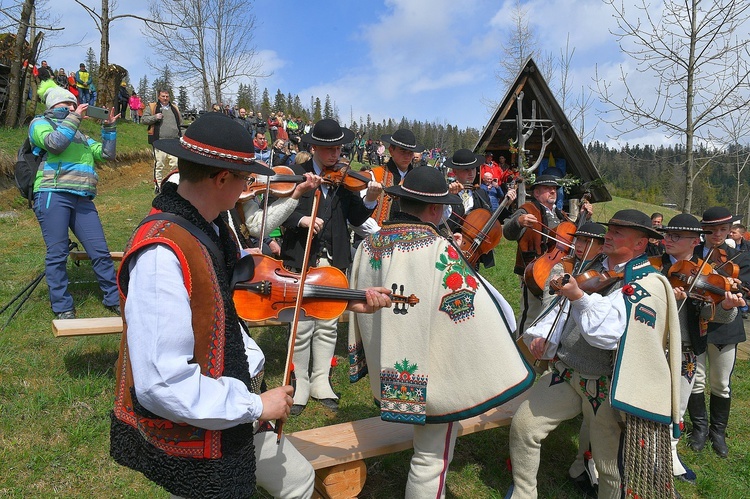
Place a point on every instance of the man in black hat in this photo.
(424, 362)
(189, 411)
(530, 225)
(330, 247)
(681, 237)
(599, 348)
(464, 164)
(402, 145)
(721, 351)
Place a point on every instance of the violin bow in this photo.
(262, 234)
(298, 305)
(695, 280)
(551, 237)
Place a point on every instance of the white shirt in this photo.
(602, 319)
(161, 342)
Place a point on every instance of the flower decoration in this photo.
(628, 290)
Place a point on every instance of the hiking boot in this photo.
(68, 314)
(115, 309)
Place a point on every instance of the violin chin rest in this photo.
(244, 270)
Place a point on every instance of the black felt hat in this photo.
(634, 219)
(328, 132)
(425, 184)
(463, 159)
(403, 138)
(684, 222)
(592, 230)
(718, 215)
(216, 140)
(549, 180)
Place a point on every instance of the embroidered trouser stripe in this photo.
(433, 453)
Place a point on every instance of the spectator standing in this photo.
(135, 107)
(273, 126)
(61, 79)
(164, 121)
(83, 82)
(261, 148)
(260, 124)
(72, 88)
(64, 190)
(493, 190)
(93, 94)
(123, 99)
(381, 153)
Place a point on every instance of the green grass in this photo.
(56, 393)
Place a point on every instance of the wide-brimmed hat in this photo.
(328, 132)
(684, 222)
(215, 139)
(634, 219)
(404, 139)
(718, 215)
(425, 184)
(592, 230)
(463, 159)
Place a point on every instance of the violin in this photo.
(700, 281)
(326, 292)
(342, 174)
(282, 184)
(475, 243)
(723, 264)
(591, 281)
(536, 273)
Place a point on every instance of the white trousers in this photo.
(720, 368)
(163, 161)
(433, 453)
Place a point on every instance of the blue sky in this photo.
(432, 60)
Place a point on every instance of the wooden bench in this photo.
(337, 451)
(112, 325)
(78, 255)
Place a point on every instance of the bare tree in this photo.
(735, 129)
(108, 77)
(212, 46)
(700, 73)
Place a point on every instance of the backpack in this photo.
(27, 166)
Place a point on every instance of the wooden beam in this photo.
(503, 113)
(78, 255)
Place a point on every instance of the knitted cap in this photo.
(57, 95)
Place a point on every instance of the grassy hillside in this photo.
(56, 394)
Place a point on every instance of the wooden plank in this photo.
(78, 327)
(79, 255)
(112, 325)
(355, 440)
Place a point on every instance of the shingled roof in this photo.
(565, 145)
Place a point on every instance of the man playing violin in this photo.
(681, 236)
(528, 225)
(464, 164)
(402, 148)
(189, 412)
(599, 349)
(721, 351)
(449, 357)
(339, 208)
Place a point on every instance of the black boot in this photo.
(699, 418)
(719, 417)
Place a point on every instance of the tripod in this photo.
(25, 293)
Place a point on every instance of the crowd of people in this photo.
(631, 354)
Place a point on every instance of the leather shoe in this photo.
(296, 409)
(583, 484)
(331, 404)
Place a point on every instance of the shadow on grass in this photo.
(82, 364)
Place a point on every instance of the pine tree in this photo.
(279, 103)
(327, 108)
(317, 114)
(92, 64)
(265, 105)
(143, 90)
(182, 99)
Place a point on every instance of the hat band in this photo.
(718, 220)
(686, 229)
(428, 194)
(402, 144)
(215, 152)
(472, 162)
(589, 235)
(327, 140)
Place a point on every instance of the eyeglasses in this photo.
(671, 236)
(247, 178)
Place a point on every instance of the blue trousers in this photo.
(56, 212)
(84, 95)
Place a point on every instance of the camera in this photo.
(99, 113)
